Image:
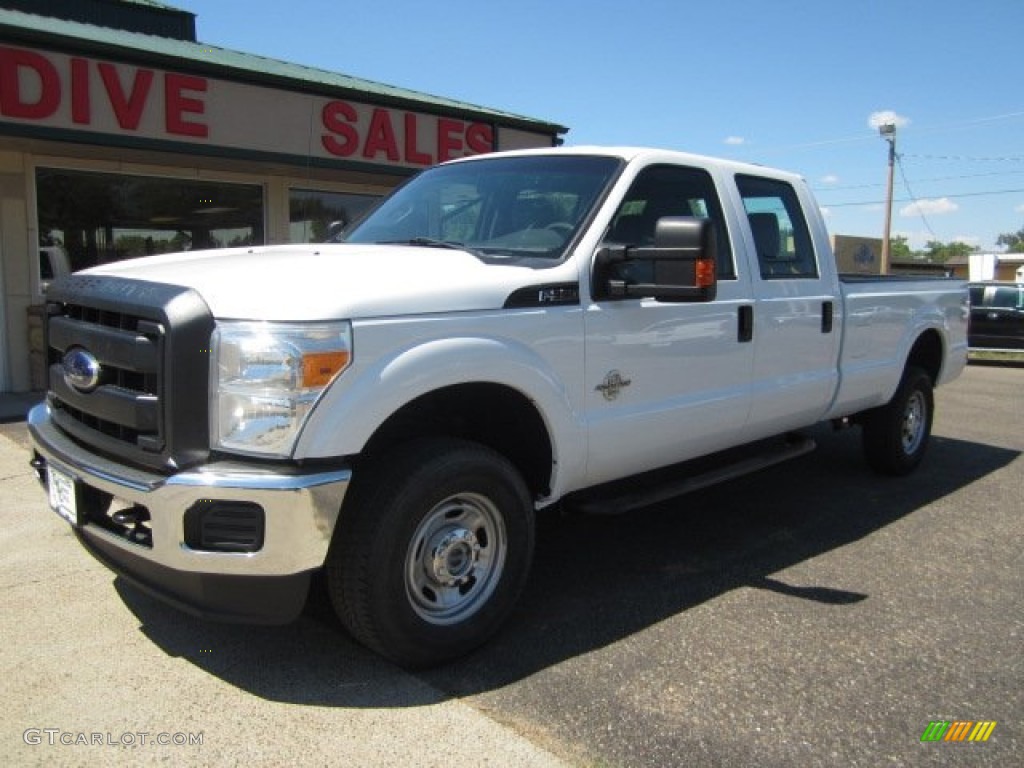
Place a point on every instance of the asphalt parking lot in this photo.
(812, 614)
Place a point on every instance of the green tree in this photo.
(1014, 241)
(899, 249)
(939, 253)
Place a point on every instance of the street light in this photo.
(888, 132)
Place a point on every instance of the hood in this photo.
(333, 281)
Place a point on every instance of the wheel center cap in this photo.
(453, 555)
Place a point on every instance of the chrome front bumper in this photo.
(300, 508)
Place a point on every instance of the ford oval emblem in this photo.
(81, 369)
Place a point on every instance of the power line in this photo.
(917, 130)
(906, 200)
(972, 122)
(972, 159)
(906, 184)
(932, 178)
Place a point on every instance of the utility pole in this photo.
(888, 132)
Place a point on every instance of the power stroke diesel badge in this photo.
(612, 385)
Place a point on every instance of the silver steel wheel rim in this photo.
(455, 559)
(912, 428)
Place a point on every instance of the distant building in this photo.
(863, 256)
(977, 267)
(122, 135)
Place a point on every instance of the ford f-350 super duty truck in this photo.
(501, 334)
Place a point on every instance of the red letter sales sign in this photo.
(76, 94)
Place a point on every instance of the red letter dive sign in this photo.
(34, 86)
(14, 102)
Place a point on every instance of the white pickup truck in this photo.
(502, 334)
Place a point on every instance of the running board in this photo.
(595, 502)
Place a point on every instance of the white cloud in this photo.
(930, 207)
(830, 179)
(826, 212)
(887, 117)
(1019, 208)
(735, 140)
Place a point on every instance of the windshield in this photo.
(502, 207)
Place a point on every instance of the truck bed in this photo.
(884, 315)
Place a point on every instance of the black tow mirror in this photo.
(680, 266)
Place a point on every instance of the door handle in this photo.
(826, 316)
(745, 331)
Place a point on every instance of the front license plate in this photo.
(63, 499)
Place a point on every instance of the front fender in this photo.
(366, 395)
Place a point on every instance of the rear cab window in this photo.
(781, 237)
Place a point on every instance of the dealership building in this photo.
(122, 135)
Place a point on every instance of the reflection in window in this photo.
(781, 236)
(102, 217)
(317, 217)
(522, 207)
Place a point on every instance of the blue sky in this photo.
(782, 83)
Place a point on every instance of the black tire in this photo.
(432, 550)
(896, 435)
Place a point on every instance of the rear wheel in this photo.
(432, 551)
(896, 435)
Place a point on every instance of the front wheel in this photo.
(432, 551)
(896, 435)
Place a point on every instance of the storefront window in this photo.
(317, 217)
(102, 217)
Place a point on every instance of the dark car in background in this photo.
(997, 316)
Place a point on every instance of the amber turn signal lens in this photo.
(705, 273)
(318, 368)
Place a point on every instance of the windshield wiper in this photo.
(430, 242)
(425, 242)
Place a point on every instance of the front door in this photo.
(665, 382)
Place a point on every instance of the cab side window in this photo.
(670, 190)
(781, 236)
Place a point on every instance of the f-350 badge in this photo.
(612, 385)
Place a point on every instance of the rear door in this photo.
(796, 338)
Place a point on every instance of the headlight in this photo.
(266, 378)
